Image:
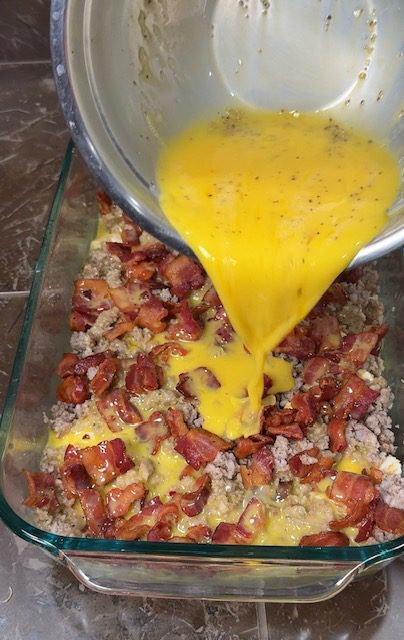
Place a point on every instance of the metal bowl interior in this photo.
(132, 74)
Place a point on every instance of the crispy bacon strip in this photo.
(291, 431)
(119, 330)
(128, 298)
(66, 365)
(117, 410)
(336, 432)
(79, 321)
(203, 375)
(91, 295)
(310, 472)
(164, 351)
(183, 275)
(153, 430)
(356, 348)
(106, 460)
(131, 232)
(41, 491)
(199, 533)
(260, 471)
(356, 492)
(185, 326)
(199, 447)
(354, 399)
(121, 251)
(389, 518)
(298, 343)
(118, 501)
(73, 390)
(325, 539)
(104, 376)
(249, 525)
(94, 511)
(176, 423)
(326, 333)
(82, 366)
(144, 375)
(193, 502)
(315, 369)
(74, 476)
(143, 270)
(247, 446)
(151, 315)
(104, 202)
(306, 407)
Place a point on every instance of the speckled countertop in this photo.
(38, 597)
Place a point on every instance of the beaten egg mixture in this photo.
(275, 206)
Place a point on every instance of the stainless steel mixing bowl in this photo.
(131, 73)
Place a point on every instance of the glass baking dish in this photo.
(227, 572)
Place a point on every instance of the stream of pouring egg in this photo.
(275, 206)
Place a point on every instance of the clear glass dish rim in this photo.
(169, 551)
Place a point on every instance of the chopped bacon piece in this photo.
(193, 502)
(167, 349)
(143, 270)
(118, 501)
(185, 386)
(250, 523)
(225, 331)
(325, 539)
(94, 511)
(273, 417)
(326, 333)
(199, 533)
(298, 343)
(185, 326)
(389, 518)
(121, 251)
(106, 460)
(117, 410)
(91, 295)
(134, 528)
(83, 365)
(310, 472)
(73, 390)
(167, 516)
(131, 232)
(292, 431)
(104, 202)
(224, 533)
(119, 330)
(153, 430)
(41, 491)
(74, 476)
(366, 525)
(104, 376)
(352, 489)
(66, 365)
(356, 348)
(129, 297)
(336, 432)
(354, 399)
(183, 274)
(355, 515)
(199, 447)
(203, 375)
(143, 376)
(176, 423)
(80, 321)
(315, 369)
(260, 471)
(155, 250)
(151, 315)
(305, 405)
(247, 446)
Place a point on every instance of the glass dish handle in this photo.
(216, 579)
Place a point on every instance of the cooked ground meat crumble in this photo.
(128, 456)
